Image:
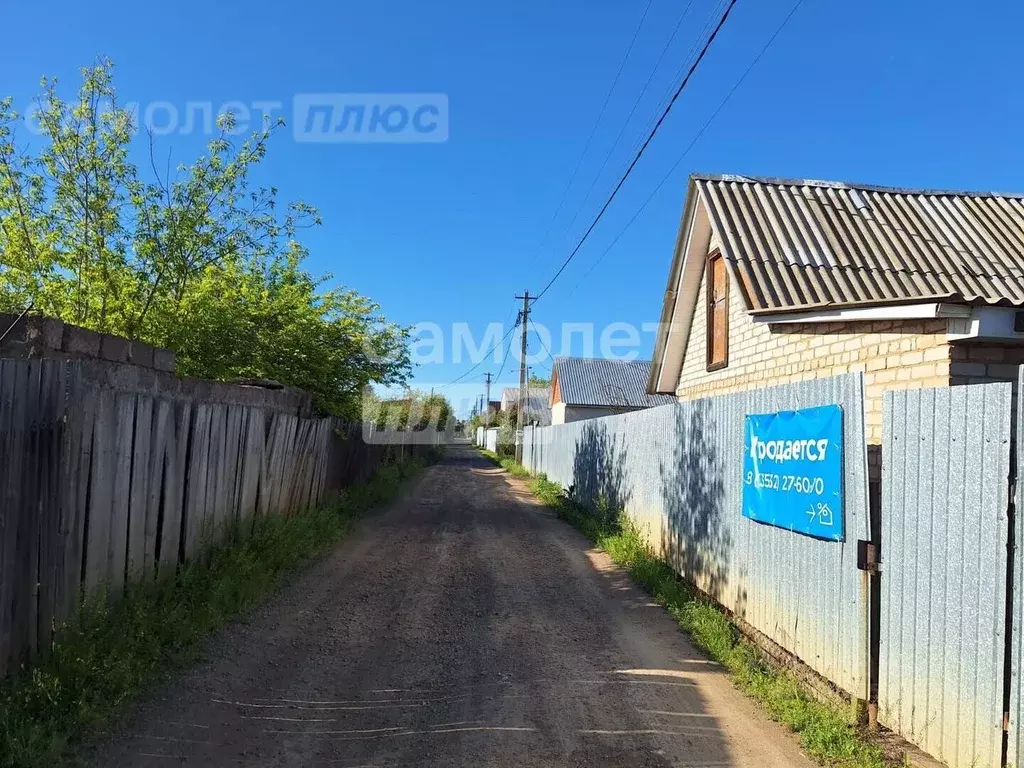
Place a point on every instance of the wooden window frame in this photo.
(709, 273)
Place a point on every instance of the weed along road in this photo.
(463, 625)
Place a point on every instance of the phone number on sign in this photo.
(786, 483)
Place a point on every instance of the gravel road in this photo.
(464, 625)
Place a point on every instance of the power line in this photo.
(632, 111)
(482, 359)
(667, 95)
(593, 131)
(501, 370)
(540, 338)
(640, 152)
(693, 141)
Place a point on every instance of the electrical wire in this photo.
(632, 111)
(482, 359)
(693, 141)
(643, 148)
(540, 338)
(667, 95)
(519, 319)
(593, 131)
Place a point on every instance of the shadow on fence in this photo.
(695, 537)
(599, 470)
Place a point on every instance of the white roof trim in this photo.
(696, 235)
(927, 311)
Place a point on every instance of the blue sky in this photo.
(909, 94)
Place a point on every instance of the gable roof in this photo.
(799, 244)
(804, 244)
(608, 383)
(538, 403)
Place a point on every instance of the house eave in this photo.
(861, 313)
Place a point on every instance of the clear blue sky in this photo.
(910, 94)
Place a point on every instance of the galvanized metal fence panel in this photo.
(946, 461)
(491, 439)
(677, 471)
(1015, 745)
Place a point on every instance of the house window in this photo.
(718, 312)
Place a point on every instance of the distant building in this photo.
(588, 388)
(538, 404)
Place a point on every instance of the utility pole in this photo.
(487, 405)
(522, 377)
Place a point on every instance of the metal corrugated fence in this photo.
(677, 471)
(1015, 746)
(946, 460)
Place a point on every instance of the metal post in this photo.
(522, 377)
(487, 404)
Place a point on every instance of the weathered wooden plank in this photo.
(139, 492)
(287, 466)
(77, 463)
(215, 480)
(101, 493)
(277, 462)
(297, 460)
(227, 479)
(232, 454)
(268, 480)
(312, 465)
(255, 432)
(12, 457)
(284, 470)
(304, 459)
(326, 432)
(315, 456)
(161, 428)
(196, 481)
(51, 539)
(25, 640)
(174, 520)
(120, 503)
(326, 428)
(241, 442)
(6, 508)
(12, 628)
(318, 456)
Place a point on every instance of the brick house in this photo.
(776, 281)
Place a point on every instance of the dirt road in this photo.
(465, 625)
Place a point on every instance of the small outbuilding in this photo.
(588, 388)
(537, 410)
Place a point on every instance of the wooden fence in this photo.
(101, 487)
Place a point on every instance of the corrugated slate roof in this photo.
(801, 244)
(538, 403)
(596, 381)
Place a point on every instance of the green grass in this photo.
(507, 463)
(108, 656)
(827, 732)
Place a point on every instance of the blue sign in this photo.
(793, 470)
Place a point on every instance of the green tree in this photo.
(201, 259)
(416, 410)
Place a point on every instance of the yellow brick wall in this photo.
(891, 354)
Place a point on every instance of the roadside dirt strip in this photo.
(464, 625)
